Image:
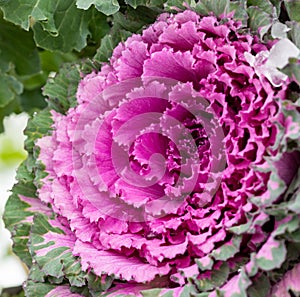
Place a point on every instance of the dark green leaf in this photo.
(109, 42)
(276, 4)
(32, 100)
(17, 47)
(10, 87)
(136, 3)
(134, 19)
(260, 287)
(12, 292)
(15, 211)
(98, 26)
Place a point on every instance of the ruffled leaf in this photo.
(289, 283)
(109, 42)
(38, 126)
(18, 216)
(218, 8)
(227, 250)
(271, 255)
(58, 25)
(214, 278)
(237, 286)
(61, 88)
(107, 7)
(51, 249)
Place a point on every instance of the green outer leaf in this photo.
(264, 5)
(37, 127)
(207, 265)
(287, 227)
(72, 28)
(217, 278)
(260, 287)
(98, 26)
(31, 101)
(59, 261)
(295, 32)
(293, 9)
(188, 290)
(136, 3)
(61, 88)
(17, 47)
(228, 250)
(36, 274)
(135, 19)
(15, 212)
(277, 255)
(276, 4)
(293, 69)
(38, 289)
(218, 8)
(151, 293)
(10, 87)
(109, 42)
(240, 11)
(258, 18)
(107, 7)
(16, 216)
(26, 12)
(238, 289)
(20, 234)
(57, 25)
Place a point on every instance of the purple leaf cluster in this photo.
(159, 172)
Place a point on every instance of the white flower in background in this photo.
(11, 152)
(267, 63)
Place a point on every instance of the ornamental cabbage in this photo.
(174, 174)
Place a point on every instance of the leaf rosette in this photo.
(173, 172)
